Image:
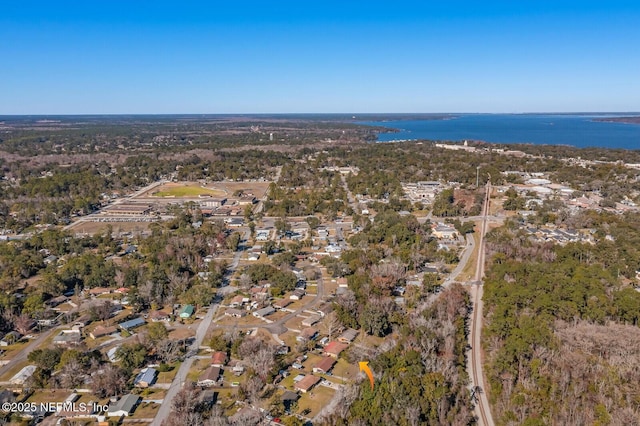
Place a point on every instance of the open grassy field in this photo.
(315, 400)
(146, 410)
(185, 190)
(118, 228)
(345, 370)
(167, 376)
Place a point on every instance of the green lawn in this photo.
(167, 376)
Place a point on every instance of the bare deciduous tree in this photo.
(252, 388)
(110, 380)
(168, 351)
(330, 324)
(22, 323)
(102, 311)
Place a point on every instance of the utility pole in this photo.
(477, 176)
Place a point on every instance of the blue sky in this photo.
(130, 57)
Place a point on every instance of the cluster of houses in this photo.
(124, 406)
(255, 303)
(213, 375)
(331, 351)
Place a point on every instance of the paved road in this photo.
(22, 355)
(181, 375)
(352, 200)
(482, 408)
(466, 255)
(201, 332)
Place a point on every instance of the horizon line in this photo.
(312, 113)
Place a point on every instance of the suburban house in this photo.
(101, 331)
(84, 320)
(52, 303)
(124, 406)
(97, 291)
(312, 320)
(282, 303)
(210, 376)
(238, 301)
(307, 334)
(297, 294)
(145, 378)
(237, 313)
(259, 291)
(261, 313)
(133, 323)
(157, 316)
(187, 311)
(10, 338)
(334, 348)
(218, 359)
(22, 375)
(68, 337)
(289, 398)
(325, 309)
(307, 383)
(348, 336)
(325, 365)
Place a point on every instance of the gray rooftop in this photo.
(126, 404)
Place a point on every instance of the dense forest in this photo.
(562, 322)
(421, 377)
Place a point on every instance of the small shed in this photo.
(187, 311)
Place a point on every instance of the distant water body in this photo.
(553, 129)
